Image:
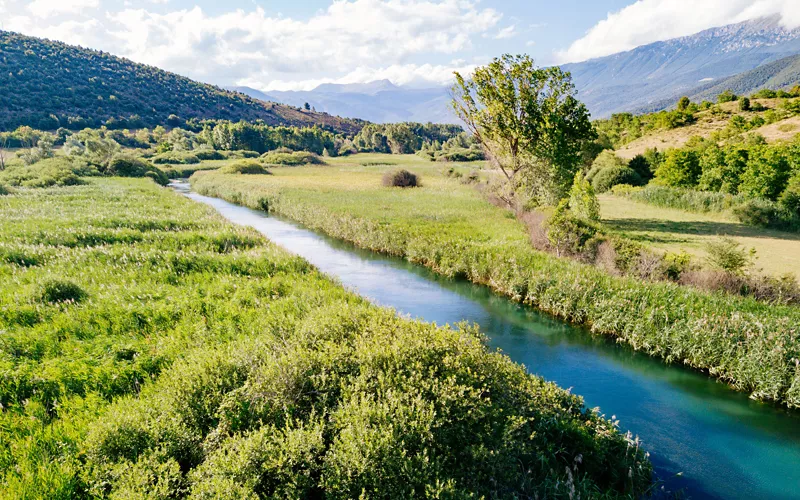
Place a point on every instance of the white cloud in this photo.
(507, 32)
(648, 21)
(47, 8)
(348, 38)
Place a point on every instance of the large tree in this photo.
(529, 123)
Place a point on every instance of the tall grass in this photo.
(682, 199)
(150, 349)
(750, 345)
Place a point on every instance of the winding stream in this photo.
(704, 439)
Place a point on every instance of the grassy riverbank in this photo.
(448, 227)
(150, 349)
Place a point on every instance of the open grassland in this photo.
(448, 227)
(675, 230)
(149, 349)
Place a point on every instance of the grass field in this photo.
(674, 230)
(449, 227)
(149, 349)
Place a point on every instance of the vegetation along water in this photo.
(705, 439)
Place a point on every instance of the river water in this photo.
(704, 439)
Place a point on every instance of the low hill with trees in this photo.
(48, 85)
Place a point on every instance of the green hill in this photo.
(781, 74)
(48, 84)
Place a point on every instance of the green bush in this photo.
(208, 154)
(766, 174)
(55, 291)
(790, 198)
(176, 158)
(726, 96)
(642, 167)
(401, 178)
(612, 176)
(58, 171)
(729, 255)
(765, 213)
(292, 159)
(582, 200)
(130, 166)
(4, 190)
(244, 167)
(240, 154)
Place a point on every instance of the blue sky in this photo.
(299, 44)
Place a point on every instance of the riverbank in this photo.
(447, 227)
(150, 346)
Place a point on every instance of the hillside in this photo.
(649, 76)
(718, 121)
(49, 84)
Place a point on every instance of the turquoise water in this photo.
(705, 440)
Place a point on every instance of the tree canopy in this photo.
(529, 122)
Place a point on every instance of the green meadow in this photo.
(149, 349)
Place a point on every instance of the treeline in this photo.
(402, 138)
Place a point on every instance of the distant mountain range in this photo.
(379, 101)
(743, 57)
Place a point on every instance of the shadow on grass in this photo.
(699, 228)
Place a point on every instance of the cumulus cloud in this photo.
(47, 8)
(349, 37)
(648, 21)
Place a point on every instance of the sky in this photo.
(299, 44)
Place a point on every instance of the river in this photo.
(704, 439)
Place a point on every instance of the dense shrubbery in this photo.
(238, 371)
(292, 159)
(244, 167)
(57, 171)
(609, 170)
(176, 158)
(129, 166)
(680, 324)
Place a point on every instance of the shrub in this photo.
(4, 190)
(58, 171)
(129, 166)
(642, 167)
(244, 167)
(176, 158)
(764, 213)
(56, 291)
(208, 154)
(744, 104)
(790, 198)
(582, 200)
(293, 159)
(239, 154)
(612, 176)
(728, 255)
(571, 235)
(681, 168)
(401, 178)
(460, 155)
(726, 96)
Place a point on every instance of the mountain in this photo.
(379, 101)
(644, 77)
(48, 84)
